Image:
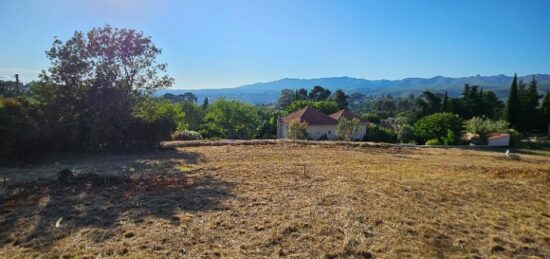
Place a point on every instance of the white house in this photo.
(319, 124)
(498, 140)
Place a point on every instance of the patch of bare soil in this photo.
(281, 200)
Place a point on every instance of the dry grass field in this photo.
(281, 200)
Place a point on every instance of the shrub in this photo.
(433, 142)
(346, 129)
(160, 117)
(16, 128)
(10, 110)
(379, 134)
(406, 134)
(437, 126)
(186, 135)
(297, 130)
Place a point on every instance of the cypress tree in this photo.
(531, 105)
(205, 103)
(444, 106)
(513, 104)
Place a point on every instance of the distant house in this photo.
(319, 124)
(498, 140)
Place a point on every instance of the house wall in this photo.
(360, 132)
(316, 131)
(281, 129)
(499, 142)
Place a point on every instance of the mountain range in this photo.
(268, 92)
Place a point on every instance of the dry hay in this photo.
(298, 201)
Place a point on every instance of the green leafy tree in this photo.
(297, 130)
(436, 126)
(231, 119)
(428, 103)
(406, 134)
(268, 128)
(287, 97)
(193, 115)
(513, 105)
(341, 99)
(346, 129)
(301, 94)
(326, 106)
(94, 82)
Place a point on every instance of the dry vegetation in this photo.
(282, 200)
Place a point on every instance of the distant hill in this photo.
(268, 92)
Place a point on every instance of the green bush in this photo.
(438, 126)
(379, 134)
(346, 129)
(433, 142)
(297, 130)
(17, 128)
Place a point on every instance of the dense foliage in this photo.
(231, 119)
(376, 133)
(318, 97)
(97, 95)
(297, 130)
(325, 106)
(446, 127)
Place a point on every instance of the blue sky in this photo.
(212, 44)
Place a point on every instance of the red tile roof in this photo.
(311, 116)
(346, 114)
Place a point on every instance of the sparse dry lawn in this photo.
(285, 200)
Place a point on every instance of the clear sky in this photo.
(210, 44)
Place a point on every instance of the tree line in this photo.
(97, 95)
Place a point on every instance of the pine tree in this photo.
(513, 104)
(205, 103)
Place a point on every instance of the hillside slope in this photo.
(268, 92)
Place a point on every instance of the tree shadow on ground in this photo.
(37, 213)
